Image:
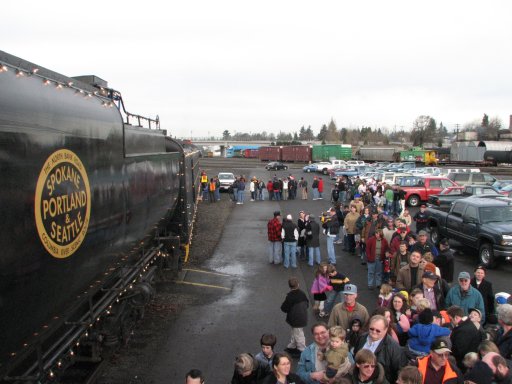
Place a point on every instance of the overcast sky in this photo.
(208, 66)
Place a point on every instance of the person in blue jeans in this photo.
(241, 191)
(290, 235)
(313, 240)
(376, 248)
(331, 230)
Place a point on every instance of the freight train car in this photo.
(296, 153)
(238, 150)
(378, 154)
(251, 153)
(92, 202)
(418, 155)
(270, 153)
(327, 152)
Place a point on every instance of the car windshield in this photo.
(499, 214)
(226, 176)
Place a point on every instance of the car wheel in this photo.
(285, 168)
(324, 171)
(486, 256)
(308, 170)
(413, 201)
(434, 235)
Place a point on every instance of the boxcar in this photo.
(271, 153)
(296, 153)
(327, 152)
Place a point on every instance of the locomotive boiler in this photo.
(93, 199)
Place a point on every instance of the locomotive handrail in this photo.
(116, 96)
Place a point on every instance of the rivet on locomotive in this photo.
(95, 200)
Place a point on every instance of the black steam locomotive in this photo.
(93, 200)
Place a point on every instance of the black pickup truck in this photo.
(448, 195)
(481, 223)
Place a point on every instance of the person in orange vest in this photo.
(436, 367)
(211, 190)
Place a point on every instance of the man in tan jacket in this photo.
(343, 313)
(410, 275)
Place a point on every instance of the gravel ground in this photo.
(131, 363)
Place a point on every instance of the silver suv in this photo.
(466, 178)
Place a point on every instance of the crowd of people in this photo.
(424, 316)
(426, 326)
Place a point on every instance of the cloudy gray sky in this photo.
(206, 66)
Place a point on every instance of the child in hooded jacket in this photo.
(423, 333)
(320, 287)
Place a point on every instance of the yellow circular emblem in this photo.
(62, 203)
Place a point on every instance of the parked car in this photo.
(225, 179)
(466, 178)
(275, 166)
(325, 167)
(426, 171)
(483, 224)
(310, 168)
(447, 196)
(407, 166)
(419, 188)
(355, 162)
(338, 172)
(447, 171)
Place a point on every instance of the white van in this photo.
(447, 171)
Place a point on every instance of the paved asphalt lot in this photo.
(243, 292)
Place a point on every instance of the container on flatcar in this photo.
(271, 153)
(296, 153)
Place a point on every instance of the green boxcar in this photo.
(329, 152)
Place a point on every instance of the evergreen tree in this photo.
(323, 132)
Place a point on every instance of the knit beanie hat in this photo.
(426, 316)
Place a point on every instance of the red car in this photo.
(419, 188)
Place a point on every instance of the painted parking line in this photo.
(208, 272)
(205, 278)
(203, 285)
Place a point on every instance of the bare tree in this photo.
(423, 131)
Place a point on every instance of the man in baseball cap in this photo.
(465, 296)
(436, 366)
(342, 313)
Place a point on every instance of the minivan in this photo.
(466, 178)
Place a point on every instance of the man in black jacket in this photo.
(296, 308)
(388, 351)
(485, 288)
(465, 337)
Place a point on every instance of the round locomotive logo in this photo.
(62, 203)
